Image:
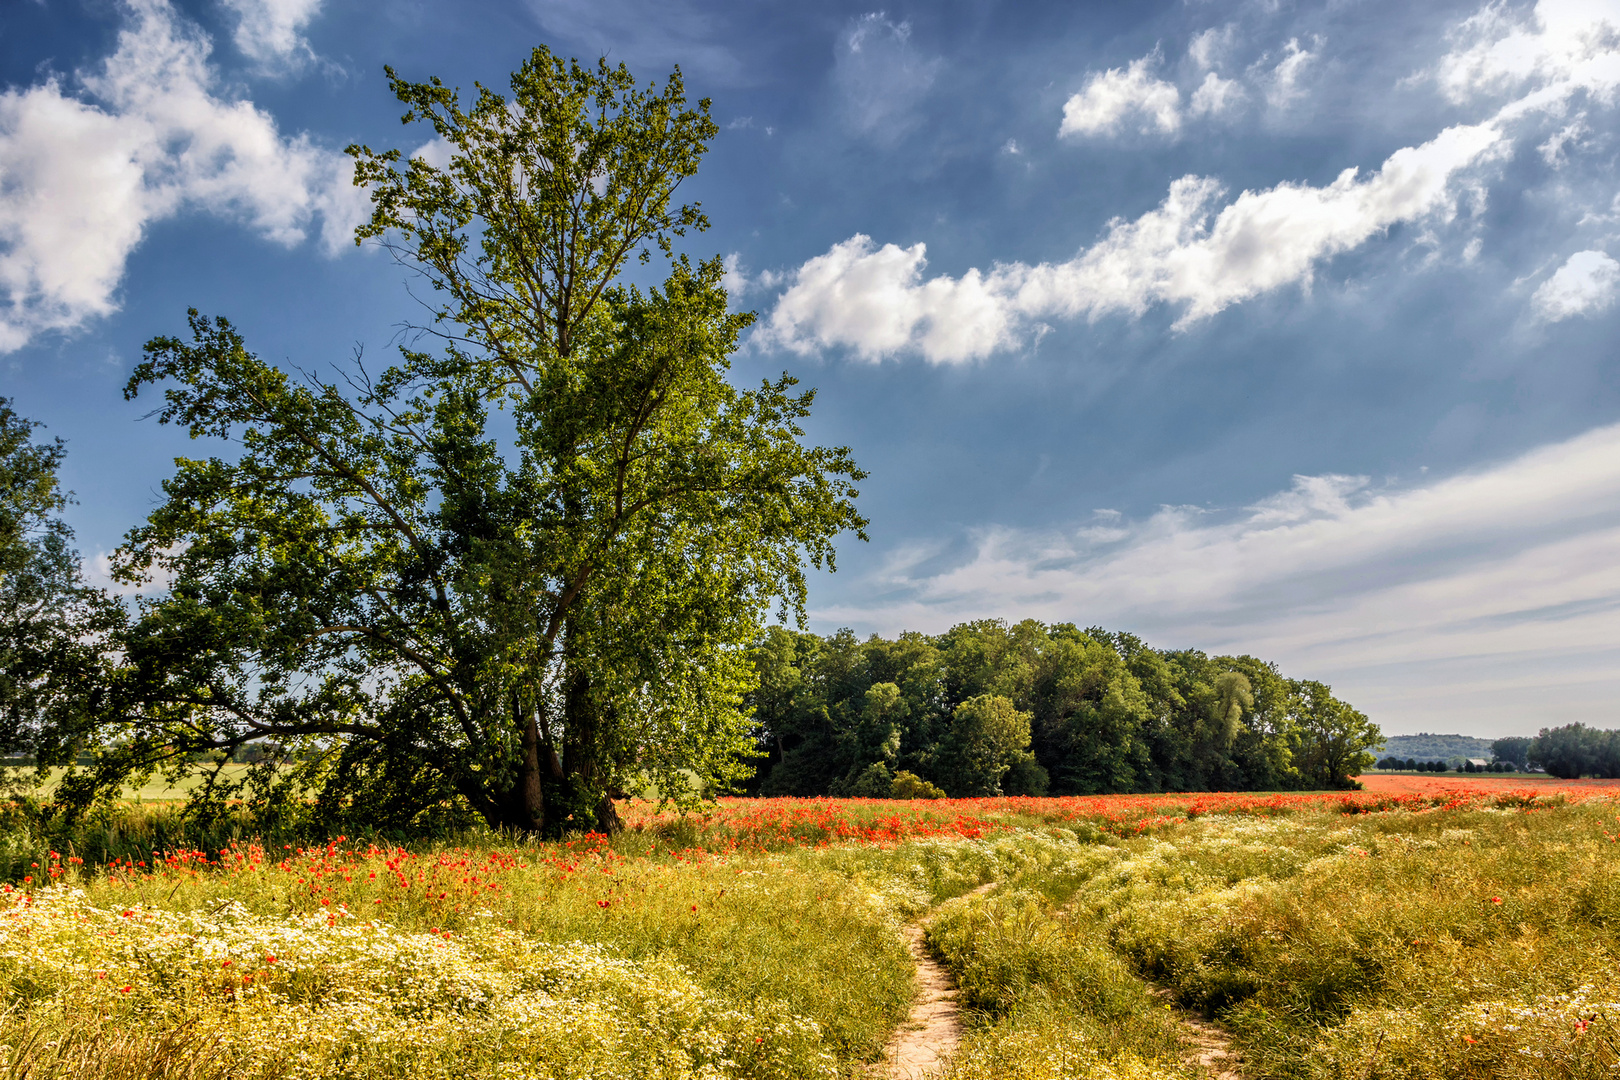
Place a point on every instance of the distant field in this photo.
(156, 789)
(1438, 783)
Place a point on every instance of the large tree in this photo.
(1334, 737)
(429, 604)
(51, 622)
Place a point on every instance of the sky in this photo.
(1254, 327)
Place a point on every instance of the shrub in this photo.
(908, 785)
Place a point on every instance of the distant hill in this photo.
(1426, 747)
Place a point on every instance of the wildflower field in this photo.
(1461, 930)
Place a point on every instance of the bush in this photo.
(908, 785)
(873, 783)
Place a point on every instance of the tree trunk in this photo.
(522, 807)
(607, 816)
(585, 774)
(530, 786)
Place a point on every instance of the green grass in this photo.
(155, 789)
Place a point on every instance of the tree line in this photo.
(1575, 750)
(992, 708)
(1396, 764)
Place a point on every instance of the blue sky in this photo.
(1264, 327)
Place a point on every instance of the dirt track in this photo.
(925, 1042)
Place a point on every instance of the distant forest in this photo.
(989, 708)
(1569, 752)
(1426, 747)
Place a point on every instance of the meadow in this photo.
(1457, 930)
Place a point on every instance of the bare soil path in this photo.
(923, 1045)
(1210, 1044)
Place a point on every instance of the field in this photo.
(157, 788)
(1408, 783)
(1470, 928)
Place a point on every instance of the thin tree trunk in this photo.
(531, 789)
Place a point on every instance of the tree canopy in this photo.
(519, 569)
(989, 708)
(1575, 750)
(51, 622)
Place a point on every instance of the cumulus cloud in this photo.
(1416, 600)
(1200, 256)
(1209, 47)
(880, 77)
(272, 31)
(1136, 97)
(1282, 82)
(875, 300)
(82, 176)
(1585, 285)
(1109, 99)
(1215, 96)
(1564, 44)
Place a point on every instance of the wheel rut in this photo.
(922, 1046)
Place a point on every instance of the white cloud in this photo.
(1214, 96)
(875, 301)
(98, 572)
(1108, 99)
(1565, 44)
(82, 178)
(1586, 284)
(1416, 601)
(1209, 47)
(1282, 82)
(880, 77)
(271, 31)
(1571, 134)
(1189, 254)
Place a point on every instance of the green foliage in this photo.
(1106, 714)
(51, 623)
(439, 615)
(908, 785)
(1576, 750)
(1428, 747)
(1333, 737)
(987, 737)
(873, 783)
(1514, 750)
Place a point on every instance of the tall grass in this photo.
(581, 962)
(1453, 944)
